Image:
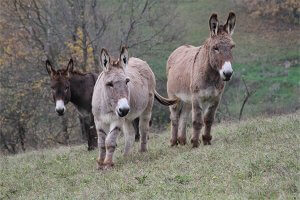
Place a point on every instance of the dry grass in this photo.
(255, 159)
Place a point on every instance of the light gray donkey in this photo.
(124, 91)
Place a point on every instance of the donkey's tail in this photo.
(163, 100)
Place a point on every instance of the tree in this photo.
(32, 31)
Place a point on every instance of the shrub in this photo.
(285, 10)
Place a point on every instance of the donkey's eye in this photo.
(216, 49)
(110, 84)
(127, 80)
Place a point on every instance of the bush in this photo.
(285, 10)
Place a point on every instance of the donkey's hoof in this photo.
(108, 165)
(100, 167)
(143, 149)
(206, 139)
(174, 142)
(182, 140)
(100, 163)
(195, 142)
(104, 166)
(206, 142)
(91, 148)
(137, 138)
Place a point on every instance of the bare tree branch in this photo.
(248, 94)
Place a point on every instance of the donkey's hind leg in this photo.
(197, 120)
(144, 124)
(209, 117)
(135, 124)
(129, 134)
(91, 133)
(184, 114)
(174, 116)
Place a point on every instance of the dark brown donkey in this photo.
(69, 85)
(197, 76)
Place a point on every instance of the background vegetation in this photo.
(267, 56)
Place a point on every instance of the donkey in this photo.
(124, 91)
(197, 76)
(69, 85)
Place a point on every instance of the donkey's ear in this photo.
(105, 59)
(70, 66)
(230, 24)
(51, 71)
(124, 57)
(213, 24)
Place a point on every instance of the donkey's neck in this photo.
(81, 91)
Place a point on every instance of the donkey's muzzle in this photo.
(123, 107)
(122, 112)
(60, 107)
(60, 112)
(227, 75)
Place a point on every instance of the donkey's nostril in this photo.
(227, 74)
(123, 111)
(60, 111)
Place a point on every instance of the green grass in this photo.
(276, 88)
(253, 159)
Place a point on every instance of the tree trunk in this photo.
(21, 132)
(84, 36)
(91, 133)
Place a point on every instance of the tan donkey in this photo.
(197, 75)
(124, 91)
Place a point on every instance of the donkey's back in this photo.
(141, 86)
(182, 57)
(142, 71)
(179, 68)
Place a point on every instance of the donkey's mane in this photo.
(77, 72)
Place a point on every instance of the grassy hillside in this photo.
(266, 56)
(254, 159)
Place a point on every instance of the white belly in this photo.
(184, 97)
(209, 93)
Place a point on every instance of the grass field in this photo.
(253, 159)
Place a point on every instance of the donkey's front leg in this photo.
(209, 117)
(197, 121)
(101, 132)
(111, 144)
(129, 134)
